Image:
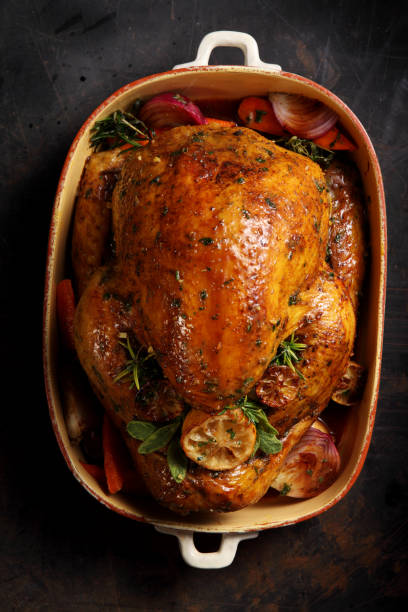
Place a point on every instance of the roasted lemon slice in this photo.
(218, 441)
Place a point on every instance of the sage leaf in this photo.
(159, 438)
(269, 443)
(140, 430)
(264, 424)
(177, 460)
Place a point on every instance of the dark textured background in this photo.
(59, 548)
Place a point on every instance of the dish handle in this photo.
(212, 560)
(227, 38)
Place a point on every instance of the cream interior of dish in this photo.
(355, 423)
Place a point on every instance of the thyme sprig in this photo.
(288, 354)
(321, 156)
(119, 126)
(133, 367)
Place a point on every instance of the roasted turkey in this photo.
(220, 243)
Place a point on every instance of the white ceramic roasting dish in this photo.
(198, 81)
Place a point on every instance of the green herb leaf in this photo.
(159, 438)
(140, 430)
(177, 460)
(268, 442)
(136, 365)
(117, 128)
(288, 354)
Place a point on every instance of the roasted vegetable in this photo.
(258, 114)
(310, 467)
(170, 110)
(302, 116)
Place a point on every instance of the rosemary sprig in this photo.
(119, 126)
(288, 354)
(321, 156)
(132, 369)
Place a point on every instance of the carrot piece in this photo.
(219, 122)
(116, 142)
(65, 312)
(115, 460)
(335, 141)
(96, 471)
(258, 114)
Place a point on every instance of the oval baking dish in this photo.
(198, 81)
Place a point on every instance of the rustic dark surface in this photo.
(60, 549)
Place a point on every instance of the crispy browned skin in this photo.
(346, 244)
(102, 314)
(92, 220)
(220, 242)
(215, 230)
(327, 329)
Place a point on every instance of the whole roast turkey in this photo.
(220, 246)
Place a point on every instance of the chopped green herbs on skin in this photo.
(231, 433)
(293, 299)
(203, 295)
(240, 180)
(285, 489)
(206, 241)
(319, 185)
(198, 137)
(288, 354)
(270, 203)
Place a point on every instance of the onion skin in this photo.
(302, 116)
(311, 466)
(171, 110)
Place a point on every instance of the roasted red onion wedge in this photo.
(170, 110)
(302, 116)
(311, 466)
